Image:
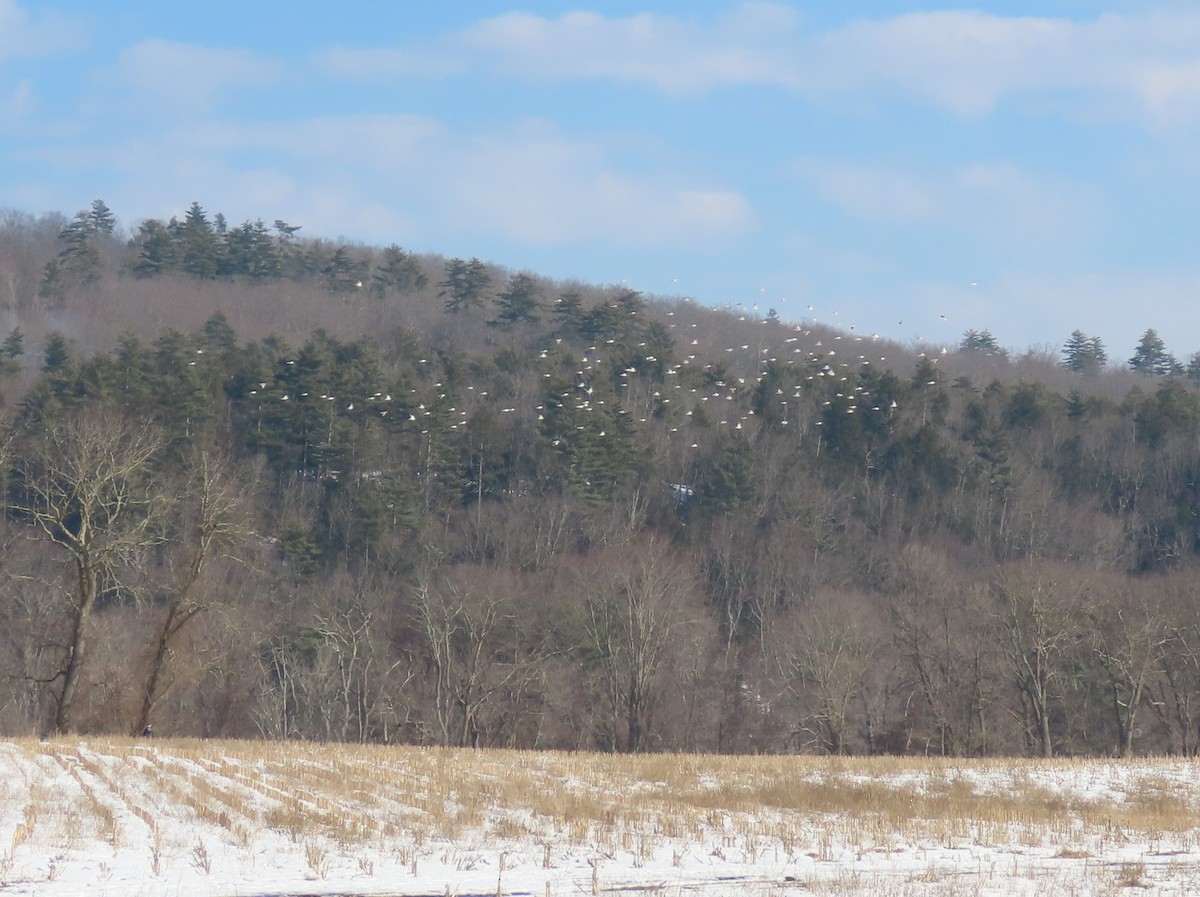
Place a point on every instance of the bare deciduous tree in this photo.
(208, 520)
(86, 483)
(938, 628)
(824, 652)
(1036, 632)
(634, 601)
(482, 661)
(30, 634)
(1128, 638)
(1175, 694)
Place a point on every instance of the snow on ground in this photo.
(241, 819)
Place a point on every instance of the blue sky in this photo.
(912, 170)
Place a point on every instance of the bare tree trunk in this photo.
(210, 504)
(633, 614)
(157, 662)
(1034, 631)
(78, 645)
(86, 483)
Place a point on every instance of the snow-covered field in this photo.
(174, 818)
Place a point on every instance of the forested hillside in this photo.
(261, 485)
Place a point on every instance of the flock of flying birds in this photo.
(820, 352)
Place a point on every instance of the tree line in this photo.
(554, 515)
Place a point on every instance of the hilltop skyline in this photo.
(916, 171)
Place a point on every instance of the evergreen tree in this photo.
(291, 258)
(658, 355)
(1028, 405)
(486, 473)
(219, 335)
(518, 302)
(184, 399)
(56, 354)
(727, 482)
(630, 302)
(199, 246)
(592, 435)
(398, 272)
(1073, 351)
(981, 342)
(312, 261)
(137, 372)
(604, 455)
(1152, 358)
(101, 219)
(1084, 354)
(925, 374)
(250, 252)
(79, 257)
(1077, 406)
(51, 287)
(342, 273)
(157, 249)
(11, 352)
(1173, 408)
(464, 285)
(438, 463)
(1193, 368)
(568, 309)
(602, 323)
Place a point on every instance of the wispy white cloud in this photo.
(396, 177)
(746, 46)
(873, 192)
(356, 64)
(965, 61)
(969, 61)
(539, 187)
(1169, 92)
(24, 37)
(997, 202)
(18, 100)
(378, 142)
(1009, 206)
(179, 78)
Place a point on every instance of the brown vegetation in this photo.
(559, 515)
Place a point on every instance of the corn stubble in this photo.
(367, 805)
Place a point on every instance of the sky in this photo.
(915, 170)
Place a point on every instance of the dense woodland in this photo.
(262, 485)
